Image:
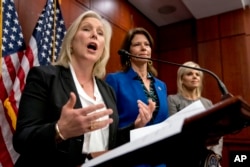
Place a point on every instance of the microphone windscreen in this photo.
(123, 52)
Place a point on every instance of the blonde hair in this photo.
(183, 70)
(64, 58)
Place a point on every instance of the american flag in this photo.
(12, 53)
(42, 43)
(43, 48)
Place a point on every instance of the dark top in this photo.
(47, 89)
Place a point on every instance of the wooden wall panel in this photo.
(72, 9)
(167, 72)
(139, 20)
(235, 65)
(232, 23)
(207, 29)
(246, 63)
(209, 58)
(247, 20)
(114, 61)
(118, 12)
(242, 135)
(85, 3)
(179, 35)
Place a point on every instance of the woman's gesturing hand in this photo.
(75, 122)
(145, 113)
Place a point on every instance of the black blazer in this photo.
(47, 89)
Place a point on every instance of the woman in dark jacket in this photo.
(67, 113)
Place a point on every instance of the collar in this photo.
(132, 74)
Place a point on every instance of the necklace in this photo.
(82, 85)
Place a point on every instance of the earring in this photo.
(127, 63)
(150, 62)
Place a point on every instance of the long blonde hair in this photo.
(64, 58)
(183, 70)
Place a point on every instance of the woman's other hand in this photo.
(145, 113)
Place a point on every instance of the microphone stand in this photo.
(225, 121)
(222, 87)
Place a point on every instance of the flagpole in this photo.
(1, 35)
(54, 33)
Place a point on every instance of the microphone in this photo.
(221, 85)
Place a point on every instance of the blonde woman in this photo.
(189, 89)
(67, 113)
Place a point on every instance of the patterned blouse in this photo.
(151, 94)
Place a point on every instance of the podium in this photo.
(187, 148)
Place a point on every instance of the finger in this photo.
(143, 108)
(72, 100)
(151, 105)
(94, 125)
(144, 112)
(100, 114)
(88, 110)
(144, 115)
(142, 105)
(141, 121)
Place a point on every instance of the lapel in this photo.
(67, 82)
(68, 85)
(136, 85)
(109, 100)
(105, 94)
